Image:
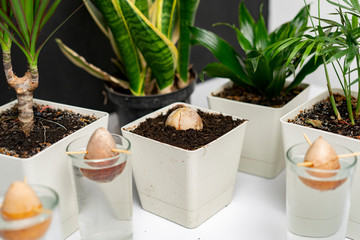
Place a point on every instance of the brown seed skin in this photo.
(323, 156)
(184, 118)
(100, 146)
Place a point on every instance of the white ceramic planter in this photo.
(184, 186)
(293, 133)
(262, 151)
(51, 167)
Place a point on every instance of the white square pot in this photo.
(184, 186)
(293, 133)
(51, 166)
(262, 151)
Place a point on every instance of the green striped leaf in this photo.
(166, 16)
(187, 13)
(158, 51)
(111, 11)
(143, 6)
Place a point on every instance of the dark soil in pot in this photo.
(51, 125)
(321, 116)
(238, 93)
(215, 125)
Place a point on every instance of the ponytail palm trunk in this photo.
(24, 87)
(21, 23)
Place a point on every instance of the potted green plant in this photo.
(21, 23)
(152, 71)
(260, 75)
(333, 114)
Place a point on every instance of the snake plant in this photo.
(151, 41)
(21, 22)
(259, 71)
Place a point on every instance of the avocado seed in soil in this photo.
(100, 146)
(21, 202)
(214, 126)
(321, 155)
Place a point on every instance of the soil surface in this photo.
(321, 116)
(51, 125)
(215, 125)
(238, 93)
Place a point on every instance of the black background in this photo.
(61, 81)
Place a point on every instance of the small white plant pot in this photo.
(51, 167)
(293, 134)
(262, 151)
(185, 186)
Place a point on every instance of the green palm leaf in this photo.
(223, 51)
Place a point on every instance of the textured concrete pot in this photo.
(185, 186)
(293, 133)
(262, 151)
(51, 167)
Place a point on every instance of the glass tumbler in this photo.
(104, 192)
(317, 200)
(43, 226)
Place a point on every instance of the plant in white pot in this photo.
(185, 176)
(333, 114)
(260, 85)
(151, 43)
(27, 139)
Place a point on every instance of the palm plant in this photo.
(336, 44)
(143, 35)
(21, 23)
(262, 70)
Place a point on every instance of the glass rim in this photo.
(342, 169)
(77, 156)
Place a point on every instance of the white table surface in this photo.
(257, 211)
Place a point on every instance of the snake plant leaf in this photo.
(187, 10)
(222, 50)
(88, 67)
(111, 11)
(246, 23)
(158, 51)
(143, 6)
(97, 17)
(166, 16)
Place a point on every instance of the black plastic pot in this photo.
(130, 108)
